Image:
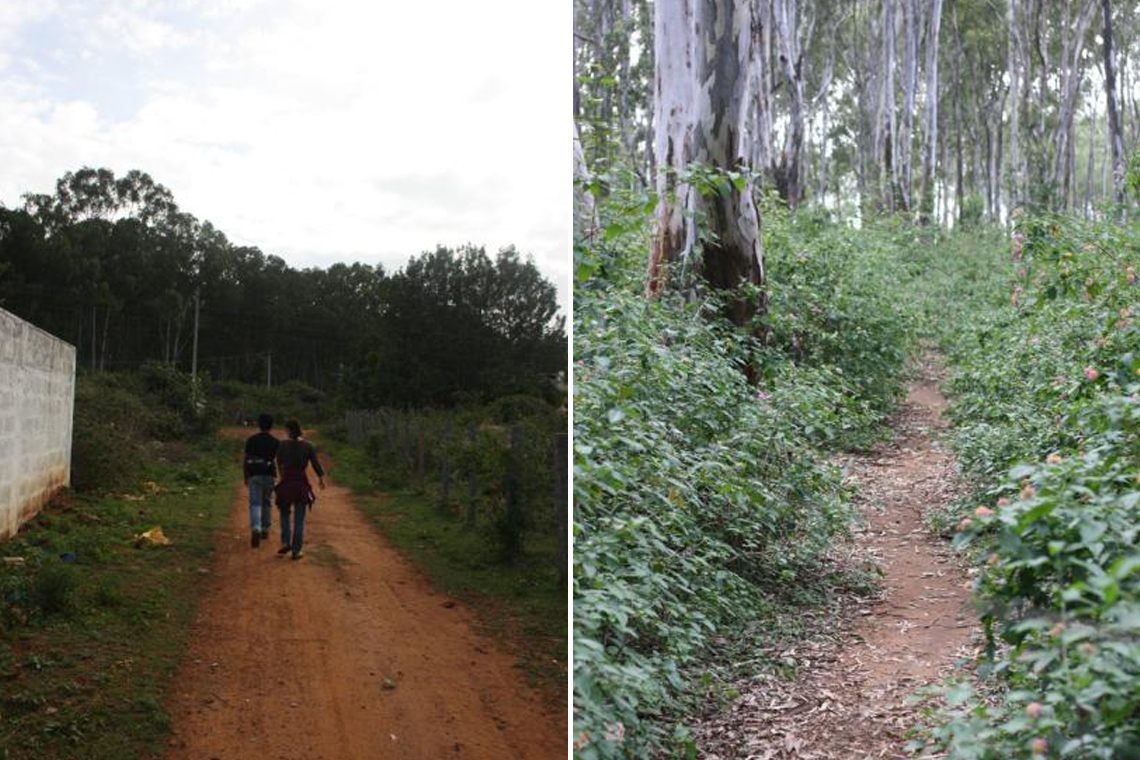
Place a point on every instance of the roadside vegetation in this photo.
(705, 507)
(507, 573)
(95, 609)
(1046, 385)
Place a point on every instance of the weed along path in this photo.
(347, 654)
(852, 699)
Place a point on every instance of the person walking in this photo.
(260, 453)
(294, 494)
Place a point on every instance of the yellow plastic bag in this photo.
(153, 536)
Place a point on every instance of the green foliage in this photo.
(502, 450)
(235, 403)
(55, 587)
(113, 266)
(92, 624)
(524, 602)
(703, 504)
(973, 208)
(1048, 418)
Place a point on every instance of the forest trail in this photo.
(344, 655)
(852, 702)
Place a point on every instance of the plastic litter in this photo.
(153, 536)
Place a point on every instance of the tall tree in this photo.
(704, 54)
(1115, 133)
(930, 135)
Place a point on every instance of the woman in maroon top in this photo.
(294, 494)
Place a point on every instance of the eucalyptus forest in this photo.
(856, 379)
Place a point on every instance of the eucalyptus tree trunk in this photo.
(1089, 169)
(1015, 71)
(704, 54)
(885, 117)
(792, 39)
(995, 166)
(958, 190)
(674, 104)
(910, 84)
(930, 135)
(1072, 73)
(761, 87)
(585, 213)
(1115, 133)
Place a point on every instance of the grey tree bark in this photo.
(1115, 133)
(930, 136)
(910, 84)
(705, 55)
(674, 45)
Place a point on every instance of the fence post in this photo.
(420, 454)
(471, 481)
(445, 469)
(561, 487)
(514, 497)
(408, 440)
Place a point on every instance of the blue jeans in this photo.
(260, 503)
(297, 536)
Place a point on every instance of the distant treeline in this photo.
(113, 266)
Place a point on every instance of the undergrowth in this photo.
(704, 506)
(93, 620)
(523, 602)
(1046, 407)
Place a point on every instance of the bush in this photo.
(1047, 406)
(55, 588)
(703, 503)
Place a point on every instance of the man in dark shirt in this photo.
(260, 452)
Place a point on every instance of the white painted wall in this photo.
(37, 397)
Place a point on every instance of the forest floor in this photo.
(859, 674)
(348, 653)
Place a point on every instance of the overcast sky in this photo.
(318, 130)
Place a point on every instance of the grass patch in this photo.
(523, 604)
(93, 624)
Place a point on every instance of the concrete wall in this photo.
(37, 396)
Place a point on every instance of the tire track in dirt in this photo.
(853, 700)
(346, 654)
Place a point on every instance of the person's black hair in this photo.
(265, 421)
(294, 428)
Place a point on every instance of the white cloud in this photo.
(317, 129)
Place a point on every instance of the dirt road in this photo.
(853, 700)
(346, 654)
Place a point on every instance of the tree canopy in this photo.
(114, 266)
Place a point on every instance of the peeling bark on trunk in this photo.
(735, 257)
(885, 114)
(1072, 73)
(1089, 169)
(910, 84)
(585, 214)
(705, 54)
(1115, 133)
(789, 27)
(674, 95)
(930, 136)
(1015, 69)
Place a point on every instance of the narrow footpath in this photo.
(852, 699)
(346, 654)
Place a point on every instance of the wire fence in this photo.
(510, 478)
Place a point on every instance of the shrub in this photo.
(702, 503)
(1048, 411)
